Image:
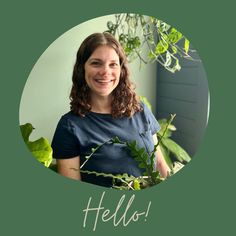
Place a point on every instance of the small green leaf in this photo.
(151, 55)
(156, 174)
(137, 42)
(174, 49)
(174, 36)
(110, 25)
(141, 151)
(145, 157)
(132, 144)
(136, 184)
(161, 47)
(142, 165)
(177, 65)
(186, 45)
(168, 59)
(116, 140)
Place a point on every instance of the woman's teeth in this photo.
(103, 81)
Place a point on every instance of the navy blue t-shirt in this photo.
(76, 136)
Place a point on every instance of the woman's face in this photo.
(102, 71)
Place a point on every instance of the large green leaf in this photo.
(176, 149)
(40, 148)
(26, 130)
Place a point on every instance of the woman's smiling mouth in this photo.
(104, 81)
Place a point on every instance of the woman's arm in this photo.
(69, 167)
(162, 166)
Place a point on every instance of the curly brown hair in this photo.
(125, 101)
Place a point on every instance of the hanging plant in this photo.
(150, 40)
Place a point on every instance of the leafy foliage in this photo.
(161, 42)
(150, 177)
(40, 148)
(170, 147)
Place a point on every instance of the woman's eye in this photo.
(95, 63)
(113, 64)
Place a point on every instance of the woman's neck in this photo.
(101, 104)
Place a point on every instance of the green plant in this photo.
(40, 148)
(150, 176)
(150, 40)
(168, 146)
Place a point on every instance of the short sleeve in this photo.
(155, 127)
(65, 143)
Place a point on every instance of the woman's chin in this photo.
(103, 92)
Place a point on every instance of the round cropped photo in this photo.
(120, 101)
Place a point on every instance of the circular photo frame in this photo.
(109, 140)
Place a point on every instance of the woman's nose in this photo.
(105, 70)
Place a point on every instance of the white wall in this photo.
(46, 93)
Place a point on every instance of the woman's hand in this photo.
(69, 167)
(161, 164)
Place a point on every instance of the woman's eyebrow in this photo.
(95, 59)
(99, 59)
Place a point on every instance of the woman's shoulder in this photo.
(146, 113)
(144, 108)
(145, 105)
(69, 115)
(69, 118)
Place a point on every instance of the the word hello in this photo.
(105, 215)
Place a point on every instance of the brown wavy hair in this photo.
(125, 101)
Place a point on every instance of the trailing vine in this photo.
(150, 39)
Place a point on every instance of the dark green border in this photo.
(197, 201)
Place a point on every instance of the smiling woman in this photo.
(101, 76)
(104, 105)
(102, 72)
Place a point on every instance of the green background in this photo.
(199, 200)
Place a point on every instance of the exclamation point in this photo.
(146, 215)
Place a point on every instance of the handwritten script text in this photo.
(121, 215)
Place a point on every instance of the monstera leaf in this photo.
(40, 148)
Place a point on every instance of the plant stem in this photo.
(93, 151)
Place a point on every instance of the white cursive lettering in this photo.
(105, 214)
